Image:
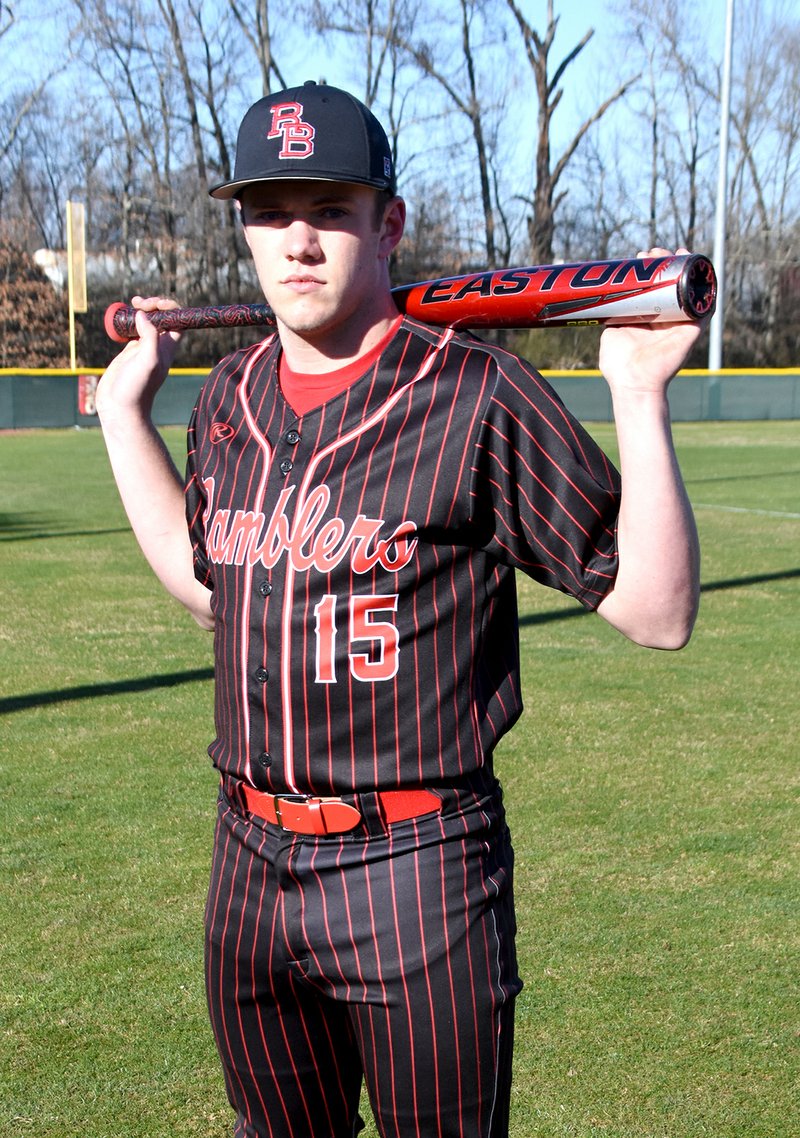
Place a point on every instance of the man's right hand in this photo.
(132, 379)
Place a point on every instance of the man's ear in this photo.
(394, 222)
(240, 210)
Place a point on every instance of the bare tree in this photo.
(19, 109)
(168, 86)
(597, 220)
(463, 90)
(21, 96)
(679, 121)
(763, 216)
(545, 200)
(213, 82)
(764, 183)
(257, 30)
(693, 143)
(444, 46)
(377, 28)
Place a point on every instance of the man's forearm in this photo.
(656, 594)
(152, 494)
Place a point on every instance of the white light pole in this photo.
(715, 346)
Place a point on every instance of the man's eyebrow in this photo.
(281, 202)
(332, 199)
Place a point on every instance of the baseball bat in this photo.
(669, 289)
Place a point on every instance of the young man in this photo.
(360, 491)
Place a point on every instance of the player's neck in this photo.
(330, 350)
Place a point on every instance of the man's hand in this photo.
(132, 379)
(645, 357)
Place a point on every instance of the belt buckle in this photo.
(288, 798)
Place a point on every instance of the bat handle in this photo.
(120, 319)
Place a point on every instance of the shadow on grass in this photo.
(740, 477)
(33, 527)
(196, 675)
(4, 539)
(114, 687)
(710, 587)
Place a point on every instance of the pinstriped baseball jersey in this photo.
(362, 557)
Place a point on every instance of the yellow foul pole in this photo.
(76, 270)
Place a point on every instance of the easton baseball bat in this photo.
(670, 289)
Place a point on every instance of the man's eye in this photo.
(266, 217)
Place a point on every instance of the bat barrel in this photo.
(671, 288)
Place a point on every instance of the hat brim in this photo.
(224, 191)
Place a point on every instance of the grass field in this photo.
(653, 798)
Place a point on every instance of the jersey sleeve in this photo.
(196, 505)
(546, 493)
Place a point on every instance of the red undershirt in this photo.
(303, 391)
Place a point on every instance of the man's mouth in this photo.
(300, 282)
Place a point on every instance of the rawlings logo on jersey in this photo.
(221, 432)
(239, 537)
(298, 136)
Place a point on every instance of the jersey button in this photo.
(265, 588)
(286, 466)
(292, 437)
(265, 760)
(262, 675)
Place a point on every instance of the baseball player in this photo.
(360, 492)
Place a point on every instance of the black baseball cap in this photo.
(313, 131)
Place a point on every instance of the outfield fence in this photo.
(47, 398)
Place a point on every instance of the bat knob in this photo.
(109, 324)
(697, 287)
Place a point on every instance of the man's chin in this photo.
(313, 321)
(305, 315)
(309, 329)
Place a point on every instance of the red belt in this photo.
(307, 814)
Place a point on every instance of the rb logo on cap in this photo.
(298, 136)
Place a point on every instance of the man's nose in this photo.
(302, 240)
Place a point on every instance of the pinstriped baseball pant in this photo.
(385, 955)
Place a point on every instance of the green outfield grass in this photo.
(653, 798)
